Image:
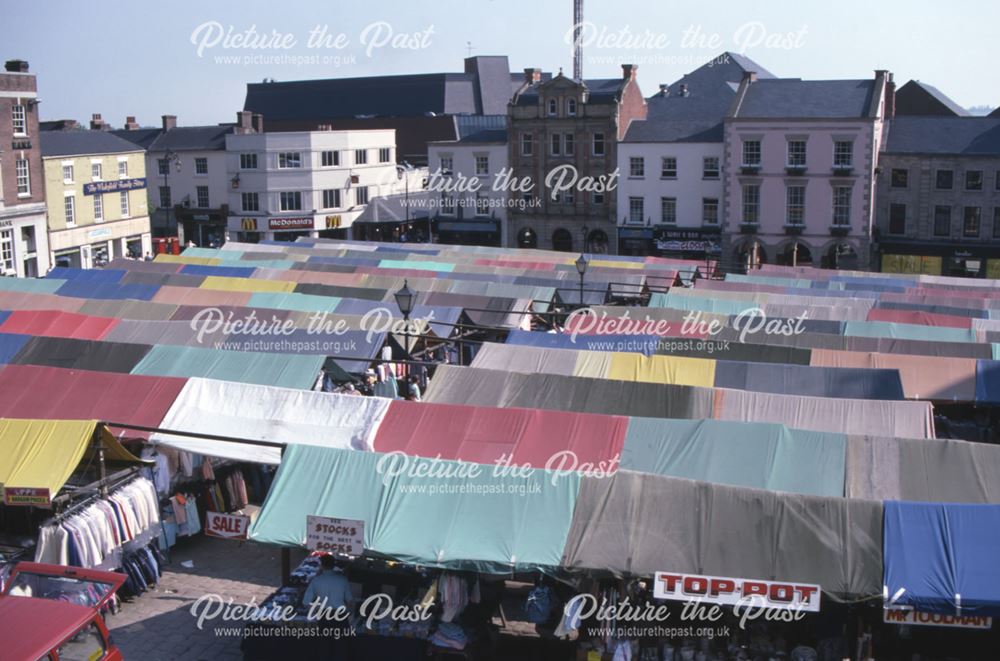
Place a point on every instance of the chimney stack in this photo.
(130, 123)
(244, 121)
(629, 71)
(750, 76)
(257, 122)
(577, 40)
(532, 76)
(98, 124)
(169, 122)
(16, 66)
(890, 92)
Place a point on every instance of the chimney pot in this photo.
(629, 71)
(169, 122)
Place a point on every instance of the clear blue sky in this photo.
(137, 58)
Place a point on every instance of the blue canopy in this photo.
(988, 382)
(81, 288)
(222, 271)
(943, 556)
(87, 275)
(10, 343)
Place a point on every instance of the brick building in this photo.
(563, 122)
(24, 249)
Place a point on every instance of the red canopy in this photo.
(54, 323)
(484, 435)
(53, 393)
(919, 317)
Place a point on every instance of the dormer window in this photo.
(571, 107)
(553, 107)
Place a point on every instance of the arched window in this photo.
(553, 107)
(597, 242)
(571, 107)
(562, 240)
(795, 253)
(750, 255)
(527, 238)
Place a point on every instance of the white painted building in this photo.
(479, 155)
(306, 183)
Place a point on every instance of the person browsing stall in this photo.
(330, 584)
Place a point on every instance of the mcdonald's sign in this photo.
(333, 222)
(249, 224)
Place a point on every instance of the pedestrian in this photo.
(413, 389)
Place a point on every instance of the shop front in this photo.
(687, 243)
(940, 258)
(254, 229)
(637, 242)
(479, 232)
(93, 246)
(205, 227)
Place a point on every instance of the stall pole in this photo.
(286, 565)
(101, 466)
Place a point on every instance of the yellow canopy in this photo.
(44, 453)
(676, 370)
(224, 283)
(181, 259)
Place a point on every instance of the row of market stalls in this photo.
(582, 462)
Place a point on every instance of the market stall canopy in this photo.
(263, 413)
(10, 345)
(923, 377)
(914, 469)
(44, 454)
(533, 437)
(51, 393)
(941, 558)
(270, 369)
(635, 524)
(475, 520)
(81, 354)
(54, 323)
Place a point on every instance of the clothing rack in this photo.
(93, 490)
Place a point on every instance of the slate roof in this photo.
(180, 138)
(944, 135)
(473, 129)
(995, 113)
(484, 88)
(80, 143)
(797, 98)
(915, 89)
(698, 116)
(601, 91)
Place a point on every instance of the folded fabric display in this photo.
(450, 636)
(454, 592)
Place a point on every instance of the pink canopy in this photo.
(54, 323)
(919, 317)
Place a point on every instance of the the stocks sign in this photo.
(732, 591)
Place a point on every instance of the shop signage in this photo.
(227, 526)
(39, 497)
(248, 224)
(344, 536)
(6, 222)
(113, 186)
(290, 223)
(730, 591)
(688, 240)
(333, 222)
(909, 616)
(96, 234)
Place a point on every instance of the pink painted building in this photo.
(800, 159)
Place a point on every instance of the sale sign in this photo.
(25, 496)
(329, 535)
(731, 591)
(227, 526)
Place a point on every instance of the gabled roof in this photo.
(600, 90)
(944, 135)
(141, 137)
(797, 98)
(917, 98)
(995, 113)
(695, 112)
(80, 143)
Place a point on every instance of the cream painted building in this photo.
(95, 188)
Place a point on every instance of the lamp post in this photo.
(169, 157)
(581, 268)
(404, 300)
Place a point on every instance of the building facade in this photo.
(800, 158)
(24, 249)
(311, 183)
(188, 179)
(670, 192)
(563, 140)
(466, 183)
(96, 198)
(938, 202)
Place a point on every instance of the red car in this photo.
(51, 612)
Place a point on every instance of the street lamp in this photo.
(404, 300)
(169, 157)
(581, 268)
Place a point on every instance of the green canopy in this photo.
(486, 523)
(757, 455)
(267, 369)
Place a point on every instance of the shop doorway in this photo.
(597, 242)
(795, 253)
(562, 240)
